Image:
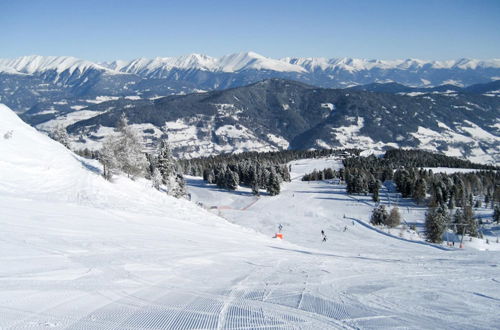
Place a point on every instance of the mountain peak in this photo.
(37, 63)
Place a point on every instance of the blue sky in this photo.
(106, 30)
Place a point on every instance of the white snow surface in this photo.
(228, 63)
(355, 64)
(79, 252)
(37, 64)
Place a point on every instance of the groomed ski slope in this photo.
(77, 252)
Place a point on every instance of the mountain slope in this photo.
(276, 114)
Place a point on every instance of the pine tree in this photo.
(487, 199)
(273, 184)
(255, 181)
(458, 222)
(435, 223)
(470, 222)
(255, 188)
(178, 186)
(496, 214)
(156, 178)
(232, 180)
(170, 174)
(165, 161)
(379, 215)
(375, 195)
(420, 191)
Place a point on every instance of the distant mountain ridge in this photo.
(38, 81)
(279, 114)
(234, 63)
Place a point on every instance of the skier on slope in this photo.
(280, 227)
(324, 235)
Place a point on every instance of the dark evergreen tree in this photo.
(375, 196)
(470, 222)
(232, 180)
(379, 215)
(496, 213)
(436, 220)
(273, 185)
(420, 191)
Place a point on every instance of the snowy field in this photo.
(77, 252)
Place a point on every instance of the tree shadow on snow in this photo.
(88, 166)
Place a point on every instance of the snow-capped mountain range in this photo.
(30, 80)
(230, 63)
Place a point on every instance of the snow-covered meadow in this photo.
(79, 252)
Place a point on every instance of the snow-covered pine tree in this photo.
(60, 135)
(156, 178)
(232, 180)
(435, 223)
(171, 176)
(420, 191)
(273, 184)
(165, 161)
(177, 186)
(220, 177)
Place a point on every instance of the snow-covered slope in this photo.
(77, 252)
(38, 64)
(233, 63)
(161, 66)
(355, 64)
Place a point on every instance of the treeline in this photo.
(326, 174)
(452, 190)
(422, 158)
(364, 174)
(256, 170)
(398, 158)
(450, 197)
(358, 180)
(248, 173)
